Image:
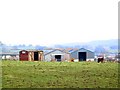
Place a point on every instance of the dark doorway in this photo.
(58, 57)
(35, 56)
(82, 56)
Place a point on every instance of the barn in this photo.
(83, 55)
(31, 55)
(56, 55)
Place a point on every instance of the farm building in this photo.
(56, 55)
(31, 55)
(83, 55)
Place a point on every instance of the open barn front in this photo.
(58, 57)
(82, 56)
(36, 56)
(31, 55)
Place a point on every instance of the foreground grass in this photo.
(17, 74)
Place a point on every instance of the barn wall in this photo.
(48, 57)
(67, 56)
(90, 55)
(74, 55)
(40, 56)
(24, 57)
(31, 56)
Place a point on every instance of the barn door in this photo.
(82, 56)
(36, 56)
(58, 57)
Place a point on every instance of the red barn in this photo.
(31, 55)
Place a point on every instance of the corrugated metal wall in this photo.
(74, 54)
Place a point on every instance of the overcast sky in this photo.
(46, 22)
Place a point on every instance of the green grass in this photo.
(18, 74)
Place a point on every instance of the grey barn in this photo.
(56, 55)
(83, 55)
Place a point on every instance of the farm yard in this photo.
(26, 74)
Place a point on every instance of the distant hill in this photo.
(112, 42)
(98, 46)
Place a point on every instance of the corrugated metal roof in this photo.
(45, 53)
(32, 50)
(86, 50)
(70, 51)
(81, 49)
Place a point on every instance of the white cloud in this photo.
(48, 22)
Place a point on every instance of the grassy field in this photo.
(18, 74)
